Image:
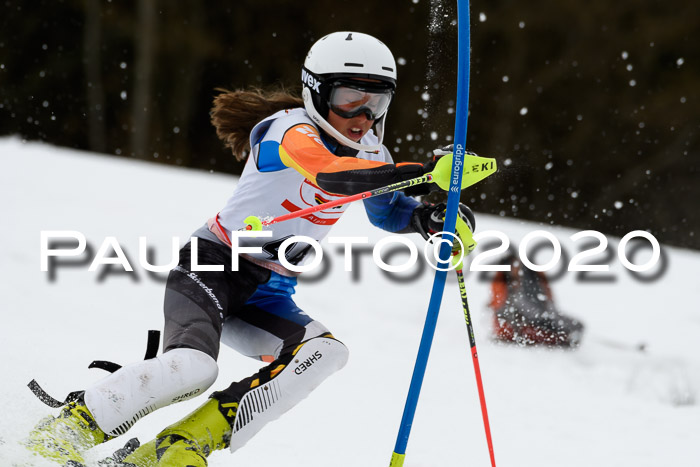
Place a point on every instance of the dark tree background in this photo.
(591, 107)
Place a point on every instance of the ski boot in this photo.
(66, 437)
(186, 443)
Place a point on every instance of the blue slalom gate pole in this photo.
(460, 139)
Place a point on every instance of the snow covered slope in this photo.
(604, 404)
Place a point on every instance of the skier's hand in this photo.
(424, 188)
(429, 219)
(437, 154)
(443, 151)
(427, 188)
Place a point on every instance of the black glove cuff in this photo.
(409, 171)
(418, 222)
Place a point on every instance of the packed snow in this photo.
(604, 404)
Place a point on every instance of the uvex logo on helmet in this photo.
(310, 81)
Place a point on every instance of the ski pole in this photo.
(479, 168)
(475, 361)
(255, 223)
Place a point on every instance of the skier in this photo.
(300, 152)
(524, 311)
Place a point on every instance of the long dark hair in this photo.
(235, 113)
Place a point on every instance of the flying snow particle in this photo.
(482, 17)
(176, 129)
(521, 24)
(505, 78)
(625, 55)
(548, 165)
(122, 65)
(433, 135)
(123, 95)
(618, 204)
(680, 61)
(523, 111)
(683, 100)
(401, 61)
(633, 82)
(425, 96)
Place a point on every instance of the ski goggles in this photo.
(349, 99)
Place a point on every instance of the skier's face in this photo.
(359, 96)
(353, 128)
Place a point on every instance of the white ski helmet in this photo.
(349, 60)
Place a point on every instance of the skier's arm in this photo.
(392, 212)
(303, 150)
(399, 213)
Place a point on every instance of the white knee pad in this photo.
(135, 390)
(311, 365)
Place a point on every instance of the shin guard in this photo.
(135, 390)
(284, 383)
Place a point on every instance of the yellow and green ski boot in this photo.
(66, 437)
(186, 443)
